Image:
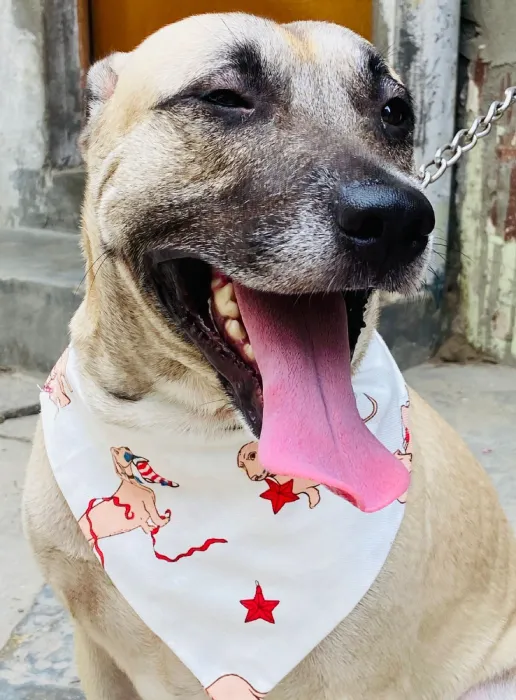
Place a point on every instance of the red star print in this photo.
(279, 494)
(258, 608)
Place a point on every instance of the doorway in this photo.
(120, 25)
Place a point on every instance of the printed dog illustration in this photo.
(132, 506)
(57, 385)
(405, 457)
(232, 687)
(248, 460)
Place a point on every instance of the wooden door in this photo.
(120, 25)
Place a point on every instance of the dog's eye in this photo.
(228, 99)
(396, 112)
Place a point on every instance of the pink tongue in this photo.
(311, 426)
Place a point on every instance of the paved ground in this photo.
(36, 658)
(23, 580)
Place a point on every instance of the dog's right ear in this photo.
(100, 86)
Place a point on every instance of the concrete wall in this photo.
(486, 183)
(420, 39)
(40, 181)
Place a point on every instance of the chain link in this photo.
(465, 139)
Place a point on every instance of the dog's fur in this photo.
(253, 199)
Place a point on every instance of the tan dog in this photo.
(235, 144)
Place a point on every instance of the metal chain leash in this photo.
(465, 139)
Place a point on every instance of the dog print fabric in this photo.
(205, 544)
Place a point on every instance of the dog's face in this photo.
(229, 149)
(122, 456)
(248, 460)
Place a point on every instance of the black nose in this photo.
(377, 215)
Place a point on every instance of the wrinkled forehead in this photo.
(301, 55)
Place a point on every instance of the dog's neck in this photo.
(133, 365)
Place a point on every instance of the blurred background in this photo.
(456, 338)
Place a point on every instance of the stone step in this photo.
(40, 272)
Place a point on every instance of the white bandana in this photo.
(218, 557)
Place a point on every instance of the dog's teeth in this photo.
(225, 303)
(230, 310)
(235, 330)
(249, 352)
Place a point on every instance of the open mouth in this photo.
(285, 362)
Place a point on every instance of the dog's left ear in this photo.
(100, 86)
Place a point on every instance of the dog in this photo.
(279, 156)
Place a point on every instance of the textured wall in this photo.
(420, 38)
(486, 191)
(22, 107)
(40, 184)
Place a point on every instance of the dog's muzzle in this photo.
(380, 220)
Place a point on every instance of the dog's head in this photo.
(255, 182)
(248, 460)
(122, 456)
